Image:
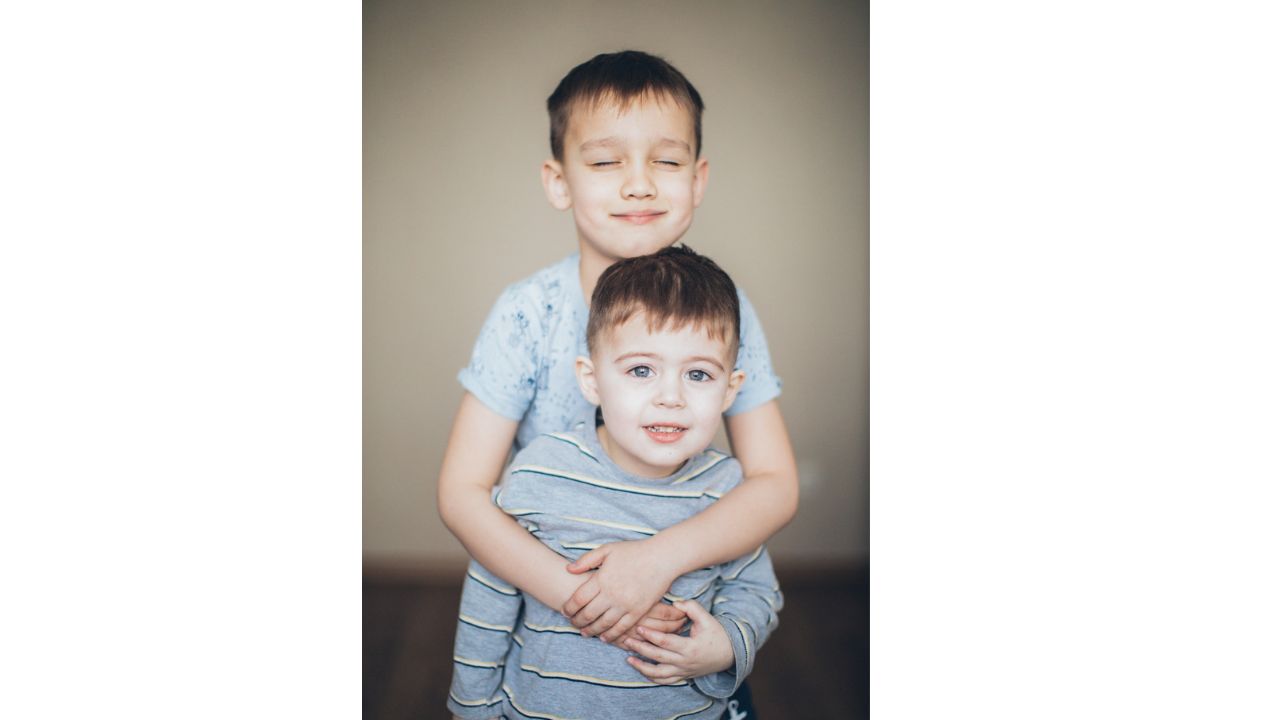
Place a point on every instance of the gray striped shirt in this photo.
(515, 657)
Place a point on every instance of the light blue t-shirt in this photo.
(522, 364)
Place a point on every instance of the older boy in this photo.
(626, 143)
(662, 338)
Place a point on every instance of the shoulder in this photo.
(747, 310)
(567, 450)
(716, 472)
(524, 310)
(550, 284)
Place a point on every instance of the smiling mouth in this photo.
(665, 433)
(640, 218)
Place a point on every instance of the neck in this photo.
(590, 268)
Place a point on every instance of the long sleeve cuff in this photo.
(725, 683)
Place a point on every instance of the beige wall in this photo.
(454, 133)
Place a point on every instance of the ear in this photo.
(554, 185)
(735, 384)
(586, 373)
(700, 170)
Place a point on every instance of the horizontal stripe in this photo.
(567, 629)
(607, 485)
(695, 594)
(716, 459)
(687, 713)
(484, 625)
(566, 437)
(625, 684)
(547, 716)
(602, 523)
(615, 525)
(754, 557)
(475, 703)
(477, 663)
(525, 712)
(505, 590)
(580, 546)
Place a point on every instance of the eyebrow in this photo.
(651, 356)
(613, 141)
(601, 142)
(678, 143)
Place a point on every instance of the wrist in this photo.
(663, 560)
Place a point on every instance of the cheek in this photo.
(621, 399)
(679, 190)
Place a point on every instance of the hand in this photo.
(661, 618)
(707, 649)
(630, 580)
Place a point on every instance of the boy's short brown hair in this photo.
(674, 287)
(621, 77)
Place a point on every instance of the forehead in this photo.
(674, 338)
(644, 116)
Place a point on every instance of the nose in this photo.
(638, 184)
(670, 392)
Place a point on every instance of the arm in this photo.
(473, 460)
(747, 608)
(721, 649)
(487, 617)
(632, 576)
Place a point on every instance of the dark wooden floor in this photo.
(814, 666)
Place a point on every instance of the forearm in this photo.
(476, 452)
(719, 533)
(749, 514)
(496, 541)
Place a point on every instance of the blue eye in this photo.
(699, 376)
(641, 371)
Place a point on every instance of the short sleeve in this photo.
(761, 385)
(503, 372)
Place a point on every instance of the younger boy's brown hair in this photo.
(621, 77)
(674, 288)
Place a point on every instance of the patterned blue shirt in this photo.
(522, 363)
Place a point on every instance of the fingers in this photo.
(697, 614)
(664, 618)
(620, 628)
(603, 625)
(663, 611)
(653, 652)
(581, 597)
(661, 674)
(590, 560)
(593, 611)
(663, 626)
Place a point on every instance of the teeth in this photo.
(663, 428)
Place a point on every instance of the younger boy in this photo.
(663, 340)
